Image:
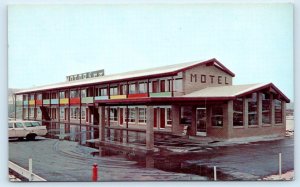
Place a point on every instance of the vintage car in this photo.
(25, 129)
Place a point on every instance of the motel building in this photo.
(193, 100)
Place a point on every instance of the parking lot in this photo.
(61, 160)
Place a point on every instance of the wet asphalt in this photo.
(57, 160)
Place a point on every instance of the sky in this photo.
(48, 42)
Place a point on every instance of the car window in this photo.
(10, 125)
(19, 125)
(34, 124)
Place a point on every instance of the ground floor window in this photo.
(278, 111)
(74, 113)
(31, 112)
(266, 108)
(83, 115)
(252, 110)
(217, 116)
(186, 115)
(169, 116)
(39, 113)
(238, 112)
(62, 113)
(113, 115)
(142, 115)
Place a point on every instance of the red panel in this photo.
(162, 118)
(121, 116)
(138, 95)
(75, 100)
(38, 102)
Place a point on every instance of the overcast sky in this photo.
(48, 42)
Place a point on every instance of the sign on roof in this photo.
(86, 75)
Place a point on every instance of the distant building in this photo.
(197, 97)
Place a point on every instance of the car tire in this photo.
(30, 137)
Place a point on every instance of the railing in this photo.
(24, 172)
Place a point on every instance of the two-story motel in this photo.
(198, 95)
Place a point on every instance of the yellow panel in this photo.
(64, 101)
(118, 96)
(31, 102)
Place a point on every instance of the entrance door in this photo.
(201, 121)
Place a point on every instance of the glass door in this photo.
(201, 121)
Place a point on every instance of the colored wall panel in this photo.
(25, 102)
(46, 101)
(54, 101)
(138, 95)
(161, 94)
(63, 101)
(31, 102)
(74, 101)
(87, 100)
(39, 102)
(101, 98)
(118, 96)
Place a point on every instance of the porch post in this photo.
(149, 128)
(228, 117)
(259, 109)
(272, 109)
(101, 111)
(245, 112)
(176, 120)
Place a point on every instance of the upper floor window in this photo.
(113, 90)
(178, 85)
(142, 87)
(238, 112)
(74, 93)
(123, 89)
(83, 92)
(266, 108)
(39, 96)
(103, 91)
(32, 97)
(278, 111)
(252, 110)
(61, 95)
(132, 88)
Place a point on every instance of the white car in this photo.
(26, 129)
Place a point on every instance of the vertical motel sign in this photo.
(86, 75)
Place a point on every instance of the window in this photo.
(39, 113)
(74, 94)
(123, 89)
(132, 88)
(238, 112)
(162, 86)
(186, 115)
(113, 115)
(114, 90)
(62, 113)
(169, 116)
(142, 115)
(217, 116)
(32, 97)
(178, 86)
(266, 108)
(142, 87)
(83, 93)
(10, 125)
(278, 111)
(74, 113)
(39, 97)
(131, 114)
(32, 124)
(61, 95)
(252, 110)
(19, 125)
(103, 91)
(31, 112)
(83, 115)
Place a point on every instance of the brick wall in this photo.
(204, 76)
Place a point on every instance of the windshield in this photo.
(32, 124)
